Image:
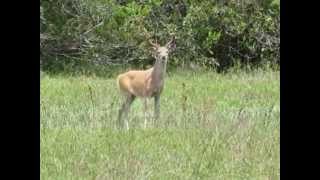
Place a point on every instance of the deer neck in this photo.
(158, 73)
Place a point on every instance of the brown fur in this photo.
(135, 82)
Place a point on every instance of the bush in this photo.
(209, 33)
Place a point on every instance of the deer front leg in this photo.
(156, 107)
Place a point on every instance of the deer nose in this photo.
(163, 58)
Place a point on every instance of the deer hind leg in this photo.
(124, 110)
(156, 107)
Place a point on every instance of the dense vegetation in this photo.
(85, 34)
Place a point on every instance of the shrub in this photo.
(214, 34)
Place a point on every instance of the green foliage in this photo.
(215, 34)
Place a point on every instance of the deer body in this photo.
(144, 83)
(140, 83)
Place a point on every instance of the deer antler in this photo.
(172, 40)
(171, 45)
(148, 36)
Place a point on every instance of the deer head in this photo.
(160, 53)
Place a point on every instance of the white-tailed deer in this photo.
(145, 83)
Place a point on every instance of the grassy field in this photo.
(212, 126)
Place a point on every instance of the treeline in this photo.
(215, 33)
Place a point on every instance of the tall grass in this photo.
(212, 126)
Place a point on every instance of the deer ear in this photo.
(153, 51)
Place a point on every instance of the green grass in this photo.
(215, 127)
